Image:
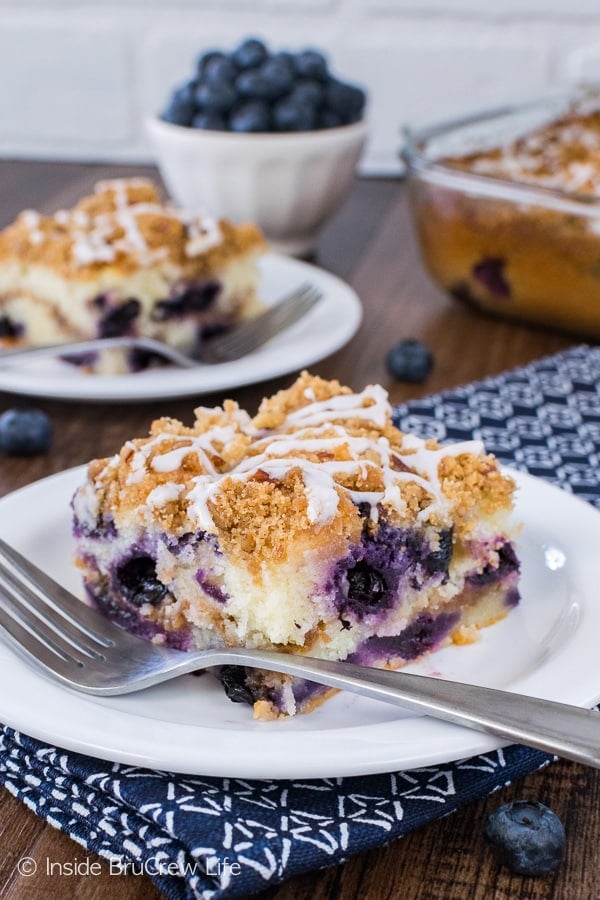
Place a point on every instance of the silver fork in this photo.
(81, 649)
(234, 344)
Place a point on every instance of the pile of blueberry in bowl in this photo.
(261, 135)
(251, 90)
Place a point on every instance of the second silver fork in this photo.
(233, 344)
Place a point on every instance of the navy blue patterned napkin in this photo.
(205, 838)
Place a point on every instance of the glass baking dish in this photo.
(503, 244)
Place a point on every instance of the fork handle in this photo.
(43, 351)
(567, 731)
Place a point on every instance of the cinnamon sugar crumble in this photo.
(124, 226)
(563, 154)
(297, 473)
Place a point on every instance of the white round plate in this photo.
(326, 328)
(546, 647)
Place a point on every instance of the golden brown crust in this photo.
(306, 389)
(258, 515)
(261, 519)
(122, 227)
(475, 486)
(564, 154)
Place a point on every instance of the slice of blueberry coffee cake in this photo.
(315, 528)
(121, 262)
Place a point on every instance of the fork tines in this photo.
(241, 340)
(44, 620)
(247, 337)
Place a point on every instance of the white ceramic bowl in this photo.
(288, 184)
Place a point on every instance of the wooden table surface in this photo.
(371, 245)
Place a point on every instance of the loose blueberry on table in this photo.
(252, 89)
(527, 837)
(409, 360)
(25, 432)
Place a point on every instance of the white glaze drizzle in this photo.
(201, 445)
(31, 219)
(92, 246)
(345, 406)
(203, 234)
(164, 493)
(275, 453)
(92, 235)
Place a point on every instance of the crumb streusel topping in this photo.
(125, 226)
(317, 459)
(563, 155)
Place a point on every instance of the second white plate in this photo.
(325, 329)
(546, 647)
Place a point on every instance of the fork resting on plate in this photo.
(233, 344)
(83, 650)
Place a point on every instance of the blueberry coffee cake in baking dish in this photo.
(122, 262)
(316, 528)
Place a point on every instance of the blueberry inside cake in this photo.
(123, 263)
(316, 528)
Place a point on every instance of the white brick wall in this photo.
(77, 77)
